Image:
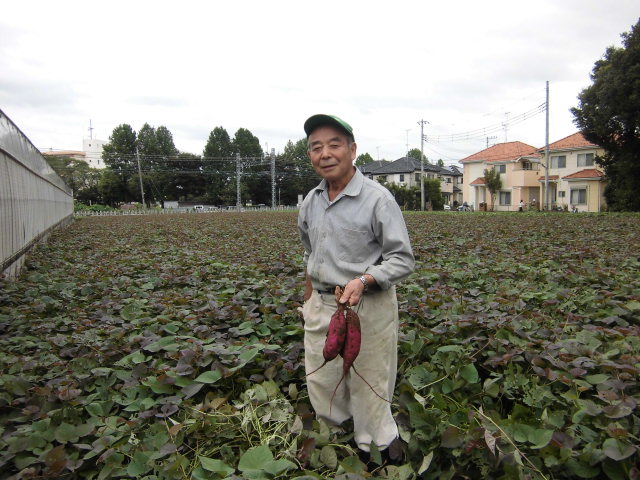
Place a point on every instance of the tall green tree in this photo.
(433, 193)
(219, 166)
(157, 154)
(363, 159)
(256, 171)
(187, 180)
(294, 173)
(493, 183)
(119, 155)
(608, 114)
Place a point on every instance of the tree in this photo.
(493, 183)
(440, 162)
(294, 173)
(219, 166)
(256, 178)
(408, 198)
(433, 193)
(416, 153)
(363, 159)
(608, 114)
(78, 176)
(119, 155)
(157, 151)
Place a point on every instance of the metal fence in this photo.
(33, 198)
(173, 211)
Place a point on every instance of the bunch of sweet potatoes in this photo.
(343, 338)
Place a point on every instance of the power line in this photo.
(482, 133)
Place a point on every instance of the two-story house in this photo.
(573, 178)
(575, 181)
(518, 165)
(407, 171)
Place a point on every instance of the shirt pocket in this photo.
(352, 245)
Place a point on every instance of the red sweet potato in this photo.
(351, 351)
(336, 333)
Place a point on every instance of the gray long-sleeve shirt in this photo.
(361, 231)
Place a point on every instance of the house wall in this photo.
(469, 192)
(565, 185)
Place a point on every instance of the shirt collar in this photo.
(352, 189)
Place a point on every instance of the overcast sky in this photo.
(267, 65)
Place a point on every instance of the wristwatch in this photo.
(363, 279)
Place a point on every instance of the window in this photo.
(501, 168)
(585, 159)
(526, 165)
(561, 193)
(578, 196)
(401, 177)
(417, 178)
(448, 179)
(505, 198)
(558, 161)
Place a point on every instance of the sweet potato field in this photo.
(170, 347)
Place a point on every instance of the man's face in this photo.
(331, 154)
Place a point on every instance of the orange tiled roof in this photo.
(501, 152)
(576, 140)
(478, 181)
(64, 153)
(551, 177)
(586, 173)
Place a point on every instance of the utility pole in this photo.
(506, 125)
(90, 130)
(140, 176)
(273, 178)
(408, 130)
(422, 139)
(546, 152)
(238, 199)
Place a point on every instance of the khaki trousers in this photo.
(377, 363)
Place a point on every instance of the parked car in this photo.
(447, 207)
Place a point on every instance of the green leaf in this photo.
(212, 376)
(248, 355)
(277, 467)
(540, 437)
(617, 450)
(597, 378)
(329, 457)
(256, 458)
(214, 465)
(469, 373)
(66, 433)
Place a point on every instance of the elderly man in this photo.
(354, 236)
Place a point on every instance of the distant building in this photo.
(575, 181)
(92, 147)
(407, 171)
(91, 152)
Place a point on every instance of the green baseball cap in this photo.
(315, 121)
